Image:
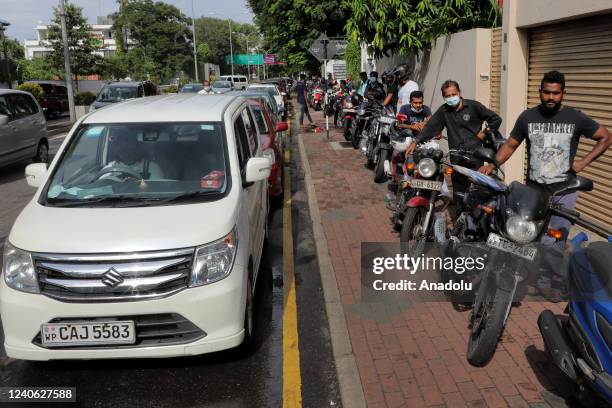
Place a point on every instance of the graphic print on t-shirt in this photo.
(549, 153)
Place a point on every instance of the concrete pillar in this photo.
(514, 79)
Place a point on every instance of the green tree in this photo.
(410, 26)
(14, 53)
(352, 56)
(81, 43)
(291, 26)
(160, 42)
(38, 69)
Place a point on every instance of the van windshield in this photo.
(117, 93)
(139, 164)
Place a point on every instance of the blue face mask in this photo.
(453, 101)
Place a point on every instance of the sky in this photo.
(24, 15)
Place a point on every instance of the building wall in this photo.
(539, 12)
(464, 57)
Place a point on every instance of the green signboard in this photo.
(245, 59)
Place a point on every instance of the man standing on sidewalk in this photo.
(552, 132)
(302, 97)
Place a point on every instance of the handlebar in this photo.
(575, 217)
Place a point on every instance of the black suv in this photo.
(120, 91)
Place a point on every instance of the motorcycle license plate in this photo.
(88, 333)
(349, 110)
(426, 184)
(524, 251)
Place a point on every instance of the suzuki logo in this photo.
(112, 278)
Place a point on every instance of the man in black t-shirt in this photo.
(301, 91)
(552, 132)
(418, 113)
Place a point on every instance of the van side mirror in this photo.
(281, 127)
(35, 174)
(4, 120)
(486, 155)
(257, 169)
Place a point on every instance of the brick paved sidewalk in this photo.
(415, 357)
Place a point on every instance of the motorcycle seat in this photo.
(599, 255)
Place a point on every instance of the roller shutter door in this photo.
(496, 41)
(582, 50)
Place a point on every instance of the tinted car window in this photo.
(22, 105)
(249, 125)
(261, 121)
(117, 93)
(61, 90)
(4, 107)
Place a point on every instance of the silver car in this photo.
(23, 128)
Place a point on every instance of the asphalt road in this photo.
(216, 380)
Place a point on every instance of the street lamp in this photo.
(229, 22)
(3, 25)
(195, 52)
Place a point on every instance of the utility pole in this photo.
(3, 26)
(248, 59)
(195, 52)
(231, 47)
(67, 62)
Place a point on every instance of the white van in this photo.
(145, 236)
(240, 81)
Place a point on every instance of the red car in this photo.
(271, 145)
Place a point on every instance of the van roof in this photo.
(187, 107)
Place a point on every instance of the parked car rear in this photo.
(122, 91)
(23, 128)
(54, 101)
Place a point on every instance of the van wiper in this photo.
(187, 196)
(131, 201)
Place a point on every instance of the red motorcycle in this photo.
(350, 105)
(316, 99)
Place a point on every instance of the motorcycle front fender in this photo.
(418, 201)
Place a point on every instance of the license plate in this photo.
(88, 333)
(426, 184)
(349, 110)
(524, 251)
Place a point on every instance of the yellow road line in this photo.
(292, 379)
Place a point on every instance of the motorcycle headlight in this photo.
(269, 153)
(361, 112)
(521, 230)
(427, 167)
(18, 269)
(214, 261)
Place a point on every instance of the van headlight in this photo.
(214, 261)
(18, 269)
(521, 230)
(427, 167)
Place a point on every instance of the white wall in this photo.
(531, 13)
(462, 57)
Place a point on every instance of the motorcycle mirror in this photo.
(579, 183)
(486, 155)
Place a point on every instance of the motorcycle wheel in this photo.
(487, 324)
(379, 171)
(347, 129)
(411, 229)
(355, 136)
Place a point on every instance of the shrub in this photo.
(170, 89)
(33, 88)
(84, 98)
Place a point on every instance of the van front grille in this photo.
(113, 277)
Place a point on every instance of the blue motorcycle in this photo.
(581, 345)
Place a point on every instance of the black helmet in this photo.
(402, 72)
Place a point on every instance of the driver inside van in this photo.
(131, 153)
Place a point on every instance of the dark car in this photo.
(191, 88)
(120, 91)
(54, 101)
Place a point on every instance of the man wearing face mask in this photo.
(463, 120)
(375, 91)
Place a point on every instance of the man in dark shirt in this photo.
(418, 114)
(552, 132)
(463, 120)
(392, 90)
(302, 98)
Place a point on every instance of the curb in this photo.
(351, 391)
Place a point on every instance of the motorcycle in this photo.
(581, 345)
(382, 148)
(348, 112)
(430, 197)
(518, 218)
(317, 99)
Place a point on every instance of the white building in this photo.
(102, 31)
